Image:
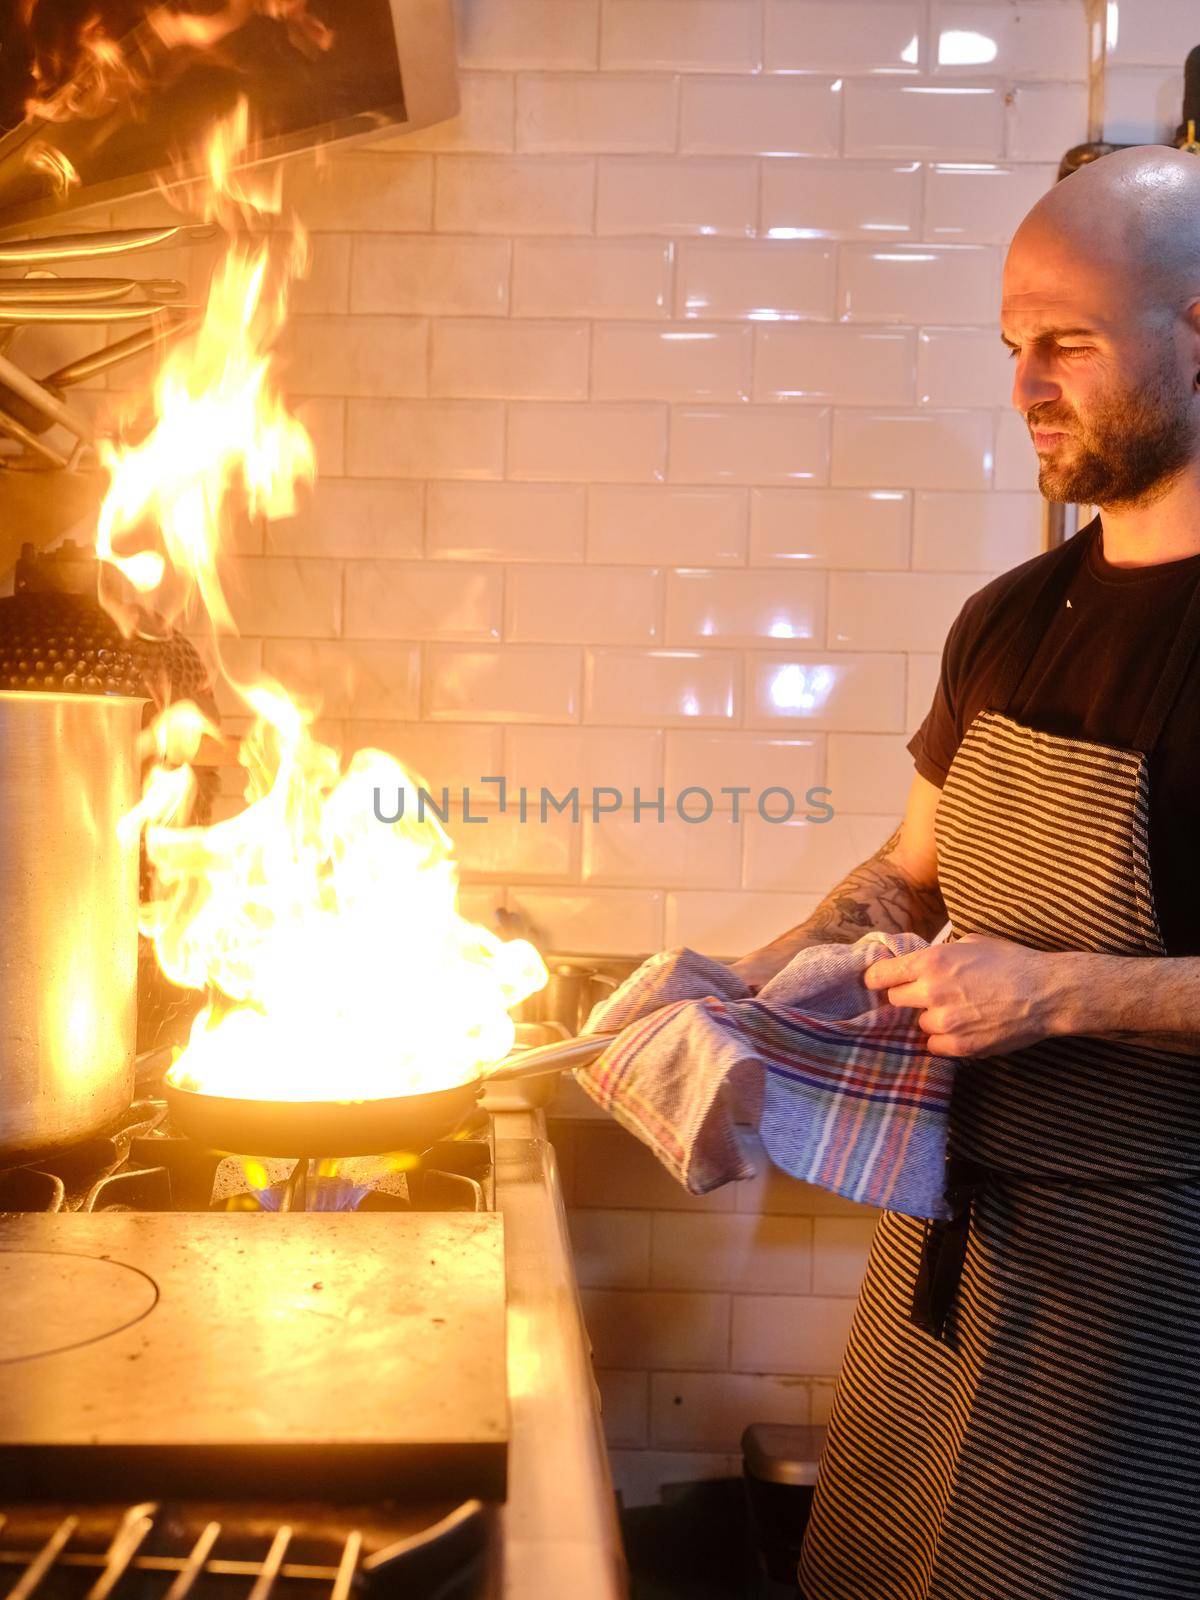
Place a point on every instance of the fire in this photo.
(96, 73)
(335, 962)
(41, 156)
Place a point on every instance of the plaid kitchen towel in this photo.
(840, 1084)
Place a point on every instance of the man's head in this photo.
(1102, 313)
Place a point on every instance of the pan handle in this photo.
(565, 1053)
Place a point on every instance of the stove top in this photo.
(177, 1341)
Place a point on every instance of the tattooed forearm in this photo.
(876, 894)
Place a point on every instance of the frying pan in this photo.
(408, 1122)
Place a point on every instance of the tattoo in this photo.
(877, 894)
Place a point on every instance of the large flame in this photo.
(92, 72)
(334, 960)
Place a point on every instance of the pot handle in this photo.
(564, 1054)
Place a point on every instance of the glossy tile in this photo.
(284, 596)
(914, 450)
(728, 925)
(919, 283)
(895, 611)
(847, 366)
(682, 35)
(981, 202)
(484, 123)
(516, 683)
(422, 600)
(436, 754)
(529, 33)
(611, 1250)
(349, 517)
(363, 356)
(441, 276)
(1031, 41)
(569, 605)
(514, 194)
(367, 191)
(424, 439)
(805, 688)
(672, 527)
(587, 443)
(686, 195)
(731, 1251)
(810, 856)
(845, 528)
(840, 1249)
(870, 772)
(622, 850)
(749, 444)
(349, 678)
(841, 199)
(325, 420)
(1044, 120)
(765, 281)
(506, 521)
(851, 36)
(498, 845)
(648, 688)
(496, 356)
(963, 367)
(976, 532)
(632, 361)
(607, 112)
(760, 116)
(324, 289)
(722, 760)
(688, 1331)
(1141, 104)
(939, 121)
(591, 278)
(597, 921)
(708, 1411)
(1141, 35)
(592, 758)
(730, 608)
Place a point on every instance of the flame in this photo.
(96, 73)
(334, 961)
(94, 78)
(41, 156)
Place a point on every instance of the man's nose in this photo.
(1032, 384)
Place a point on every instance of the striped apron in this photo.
(1045, 1443)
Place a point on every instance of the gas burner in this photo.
(143, 1165)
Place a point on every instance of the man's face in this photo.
(1104, 382)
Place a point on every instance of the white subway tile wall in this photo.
(663, 428)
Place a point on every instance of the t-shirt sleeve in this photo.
(933, 745)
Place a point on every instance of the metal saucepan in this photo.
(68, 916)
(410, 1122)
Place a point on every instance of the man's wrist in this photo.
(1084, 994)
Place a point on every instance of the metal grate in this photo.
(76, 1553)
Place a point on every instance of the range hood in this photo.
(315, 73)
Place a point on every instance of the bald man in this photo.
(1017, 1413)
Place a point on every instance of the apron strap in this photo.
(1167, 689)
(1042, 605)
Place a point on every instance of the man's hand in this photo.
(980, 996)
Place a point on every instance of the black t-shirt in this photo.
(1090, 677)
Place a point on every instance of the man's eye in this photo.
(1073, 349)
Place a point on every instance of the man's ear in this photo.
(1192, 318)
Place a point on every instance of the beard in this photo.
(1128, 451)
